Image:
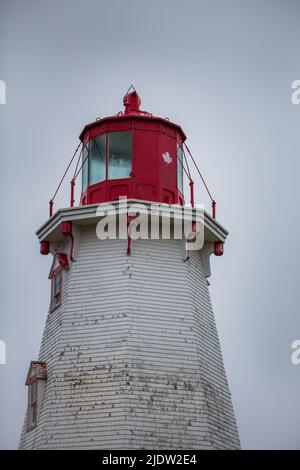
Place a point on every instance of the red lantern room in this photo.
(132, 154)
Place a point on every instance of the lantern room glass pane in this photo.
(119, 155)
(84, 168)
(98, 159)
(180, 168)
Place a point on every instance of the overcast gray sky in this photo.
(221, 69)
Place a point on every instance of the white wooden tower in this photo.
(130, 356)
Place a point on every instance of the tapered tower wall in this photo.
(132, 353)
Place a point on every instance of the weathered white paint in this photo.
(132, 353)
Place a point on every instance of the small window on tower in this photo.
(36, 382)
(32, 405)
(119, 155)
(56, 282)
(180, 168)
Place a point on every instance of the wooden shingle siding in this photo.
(133, 356)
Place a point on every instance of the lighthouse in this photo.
(130, 356)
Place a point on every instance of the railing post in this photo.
(192, 192)
(72, 192)
(50, 208)
(213, 205)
